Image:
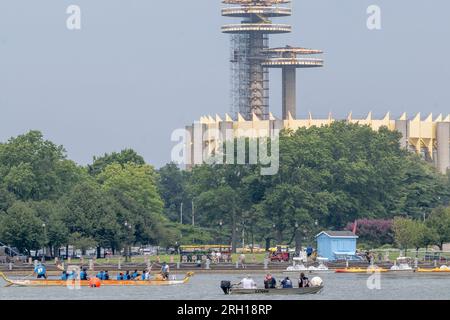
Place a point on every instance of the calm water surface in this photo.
(206, 287)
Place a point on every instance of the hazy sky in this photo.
(138, 69)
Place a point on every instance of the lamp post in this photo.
(181, 213)
(45, 238)
(193, 213)
(220, 235)
(127, 249)
(297, 239)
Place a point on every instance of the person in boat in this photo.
(248, 283)
(270, 282)
(120, 276)
(83, 275)
(135, 275)
(286, 283)
(41, 271)
(165, 270)
(101, 275)
(64, 275)
(72, 275)
(106, 276)
(127, 276)
(303, 282)
(145, 275)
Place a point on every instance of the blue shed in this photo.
(336, 245)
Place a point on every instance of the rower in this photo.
(106, 275)
(120, 276)
(270, 282)
(135, 275)
(165, 271)
(145, 275)
(83, 275)
(64, 275)
(40, 271)
(303, 282)
(72, 275)
(127, 276)
(100, 275)
(286, 283)
(248, 283)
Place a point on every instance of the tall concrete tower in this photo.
(288, 61)
(249, 38)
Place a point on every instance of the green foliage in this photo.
(439, 222)
(412, 233)
(172, 188)
(328, 177)
(124, 157)
(136, 181)
(21, 228)
(36, 169)
(332, 175)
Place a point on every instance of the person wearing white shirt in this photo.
(248, 283)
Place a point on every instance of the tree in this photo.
(439, 223)
(375, 232)
(410, 233)
(6, 199)
(171, 186)
(136, 181)
(21, 228)
(35, 169)
(51, 214)
(124, 157)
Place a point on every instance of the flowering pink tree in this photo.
(376, 232)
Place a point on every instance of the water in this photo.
(206, 287)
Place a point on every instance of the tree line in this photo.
(328, 178)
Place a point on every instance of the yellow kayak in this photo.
(434, 270)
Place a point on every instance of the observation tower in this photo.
(249, 39)
(288, 60)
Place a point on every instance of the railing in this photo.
(259, 27)
(10, 249)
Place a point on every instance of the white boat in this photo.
(402, 264)
(298, 266)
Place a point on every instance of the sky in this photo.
(139, 69)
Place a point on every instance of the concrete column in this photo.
(198, 144)
(402, 127)
(227, 133)
(443, 147)
(256, 78)
(289, 92)
(189, 148)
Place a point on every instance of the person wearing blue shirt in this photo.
(72, 275)
(64, 275)
(286, 283)
(106, 275)
(120, 276)
(40, 271)
(100, 275)
(135, 275)
(83, 275)
(127, 276)
(145, 275)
